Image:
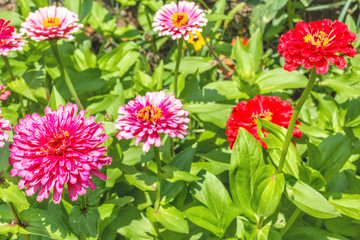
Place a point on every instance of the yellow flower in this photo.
(198, 42)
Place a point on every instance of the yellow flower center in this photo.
(180, 19)
(318, 39)
(51, 22)
(267, 115)
(149, 114)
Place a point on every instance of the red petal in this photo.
(291, 66)
(322, 66)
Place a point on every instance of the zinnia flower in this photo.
(51, 22)
(197, 42)
(60, 147)
(317, 43)
(146, 117)
(11, 43)
(178, 20)
(245, 114)
(4, 94)
(5, 30)
(4, 125)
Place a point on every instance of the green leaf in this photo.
(219, 91)
(56, 99)
(205, 107)
(274, 142)
(347, 204)
(204, 218)
(279, 79)
(256, 48)
(310, 233)
(267, 192)
(11, 193)
(44, 223)
(110, 60)
(157, 79)
(346, 85)
(267, 232)
(41, 3)
(343, 225)
(84, 82)
(192, 64)
(24, 7)
(309, 200)
(85, 221)
(132, 224)
(15, 18)
(73, 5)
(182, 161)
(141, 180)
(19, 86)
(211, 192)
(244, 60)
(172, 174)
(112, 174)
(170, 217)
(101, 19)
(246, 158)
(335, 151)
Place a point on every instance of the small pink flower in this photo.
(178, 20)
(51, 22)
(4, 125)
(60, 147)
(146, 117)
(5, 30)
(4, 94)
(12, 43)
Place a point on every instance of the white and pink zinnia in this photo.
(147, 116)
(177, 20)
(51, 23)
(62, 147)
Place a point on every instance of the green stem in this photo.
(103, 43)
(294, 117)
(7, 64)
(83, 236)
(153, 38)
(290, 222)
(158, 179)
(180, 46)
(225, 71)
(83, 202)
(22, 105)
(260, 223)
(17, 219)
(290, 14)
(64, 73)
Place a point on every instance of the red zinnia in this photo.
(270, 108)
(317, 43)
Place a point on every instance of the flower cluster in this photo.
(316, 43)
(146, 117)
(178, 20)
(245, 115)
(60, 147)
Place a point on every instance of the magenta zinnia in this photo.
(5, 30)
(177, 20)
(51, 23)
(4, 125)
(4, 94)
(146, 117)
(316, 43)
(60, 147)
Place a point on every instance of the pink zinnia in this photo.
(146, 117)
(60, 147)
(12, 43)
(51, 22)
(178, 20)
(4, 125)
(5, 30)
(4, 94)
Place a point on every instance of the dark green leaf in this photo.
(56, 99)
(85, 221)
